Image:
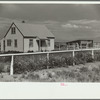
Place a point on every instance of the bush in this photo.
(89, 58)
(83, 57)
(69, 60)
(30, 51)
(5, 59)
(84, 69)
(32, 76)
(8, 52)
(29, 63)
(96, 70)
(97, 55)
(1, 68)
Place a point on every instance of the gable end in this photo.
(10, 28)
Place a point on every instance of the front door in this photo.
(4, 45)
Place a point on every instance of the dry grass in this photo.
(89, 72)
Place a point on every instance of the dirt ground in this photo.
(89, 72)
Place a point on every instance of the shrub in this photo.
(89, 58)
(84, 69)
(37, 62)
(54, 62)
(5, 59)
(30, 51)
(97, 55)
(69, 60)
(83, 57)
(29, 63)
(1, 68)
(32, 76)
(96, 70)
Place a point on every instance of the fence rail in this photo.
(47, 55)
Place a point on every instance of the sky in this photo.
(42, 12)
(65, 21)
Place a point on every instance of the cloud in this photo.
(75, 26)
(84, 21)
(70, 26)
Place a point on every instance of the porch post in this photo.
(39, 45)
(73, 57)
(59, 46)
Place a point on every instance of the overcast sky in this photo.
(65, 21)
(43, 12)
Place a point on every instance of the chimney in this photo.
(23, 21)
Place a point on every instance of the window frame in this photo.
(30, 43)
(49, 42)
(15, 43)
(9, 42)
(13, 30)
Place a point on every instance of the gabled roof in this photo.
(32, 30)
(28, 30)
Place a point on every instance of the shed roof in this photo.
(81, 39)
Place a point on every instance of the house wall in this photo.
(17, 36)
(96, 44)
(26, 45)
(51, 47)
(44, 45)
(1, 42)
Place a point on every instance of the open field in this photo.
(90, 72)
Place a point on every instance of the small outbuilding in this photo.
(96, 42)
(79, 44)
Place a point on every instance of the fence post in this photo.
(47, 60)
(93, 54)
(73, 57)
(11, 67)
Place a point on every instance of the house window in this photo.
(13, 30)
(48, 42)
(8, 42)
(30, 42)
(15, 43)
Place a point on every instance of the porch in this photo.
(43, 44)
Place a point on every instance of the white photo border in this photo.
(49, 90)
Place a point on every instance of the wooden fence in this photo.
(47, 53)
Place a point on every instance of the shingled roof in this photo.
(35, 30)
(29, 30)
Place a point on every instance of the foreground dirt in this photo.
(89, 72)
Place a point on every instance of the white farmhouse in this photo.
(26, 37)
